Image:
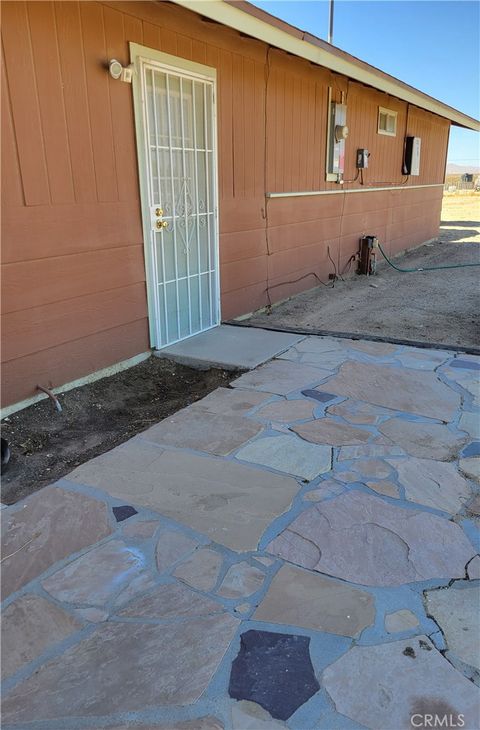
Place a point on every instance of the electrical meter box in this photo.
(337, 136)
(362, 159)
(411, 165)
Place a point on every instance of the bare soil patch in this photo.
(431, 307)
(46, 444)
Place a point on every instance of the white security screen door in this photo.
(180, 165)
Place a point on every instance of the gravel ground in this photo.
(434, 307)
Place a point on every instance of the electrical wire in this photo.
(422, 268)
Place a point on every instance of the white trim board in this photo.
(91, 378)
(303, 194)
(234, 17)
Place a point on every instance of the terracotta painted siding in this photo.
(73, 293)
(72, 244)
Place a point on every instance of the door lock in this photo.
(159, 212)
(161, 224)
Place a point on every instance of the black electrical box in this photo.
(362, 159)
(411, 165)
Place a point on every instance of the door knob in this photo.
(159, 212)
(161, 224)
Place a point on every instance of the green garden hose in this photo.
(422, 268)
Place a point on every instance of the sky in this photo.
(433, 45)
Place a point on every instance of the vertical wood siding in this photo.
(73, 270)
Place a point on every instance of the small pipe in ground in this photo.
(52, 397)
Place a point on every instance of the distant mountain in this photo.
(460, 169)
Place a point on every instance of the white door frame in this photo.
(140, 55)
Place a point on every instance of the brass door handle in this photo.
(161, 224)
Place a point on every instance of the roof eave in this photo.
(256, 25)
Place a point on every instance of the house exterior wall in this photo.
(73, 293)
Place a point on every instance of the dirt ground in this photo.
(46, 444)
(435, 307)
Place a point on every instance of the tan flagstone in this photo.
(203, 431)
(159, 664)
(240, 580)
(387, 545)
(286, 411)
(432, 483)
(427, 440)
(46, 527)
(402, 620)
(384, 486)
(172, 546)
(140, 529)
(280, 377)
(328, 431)
(300, 598)
(288, 454)
(400, 679)
(201, 569)
(411, 391)
(229, 502)
(171, 600)
(30, 625)
(456, 610)
(230, 401)
(97, 576)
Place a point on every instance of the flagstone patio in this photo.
(298, 551)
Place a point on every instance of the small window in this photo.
(387, 122)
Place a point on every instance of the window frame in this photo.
(388, 113)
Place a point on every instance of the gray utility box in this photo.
(411, 165)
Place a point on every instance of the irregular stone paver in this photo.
(429, 360)
(203, 431)
(428, 440)
(414, 392)
(93, 615)
(29, 625)
(357, 412)
(378, 349)
(250, 716)
(172, 546)
(201, 570)
(273, 670)
(46, 527)
(140, 529)
(321, 344)
(464, 364)
(328, 431)
(286, 411)
(470, 422)
(473, 568)
(231, 503)
(300, 598)
(368, 451)
(280, 377)
(171, 601)
(160, 665)
(326, 489)
(402, 620)
(385, 487)
(432, 483)
(141, 583)
(471, 467)
(319, 395)
(363, 539)
(241, 580)
(348, 477)
(230, 402)
(124, 512)
(400, 679)
(288, 454)
(456, 611)
(373, 468)
(96, 576)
